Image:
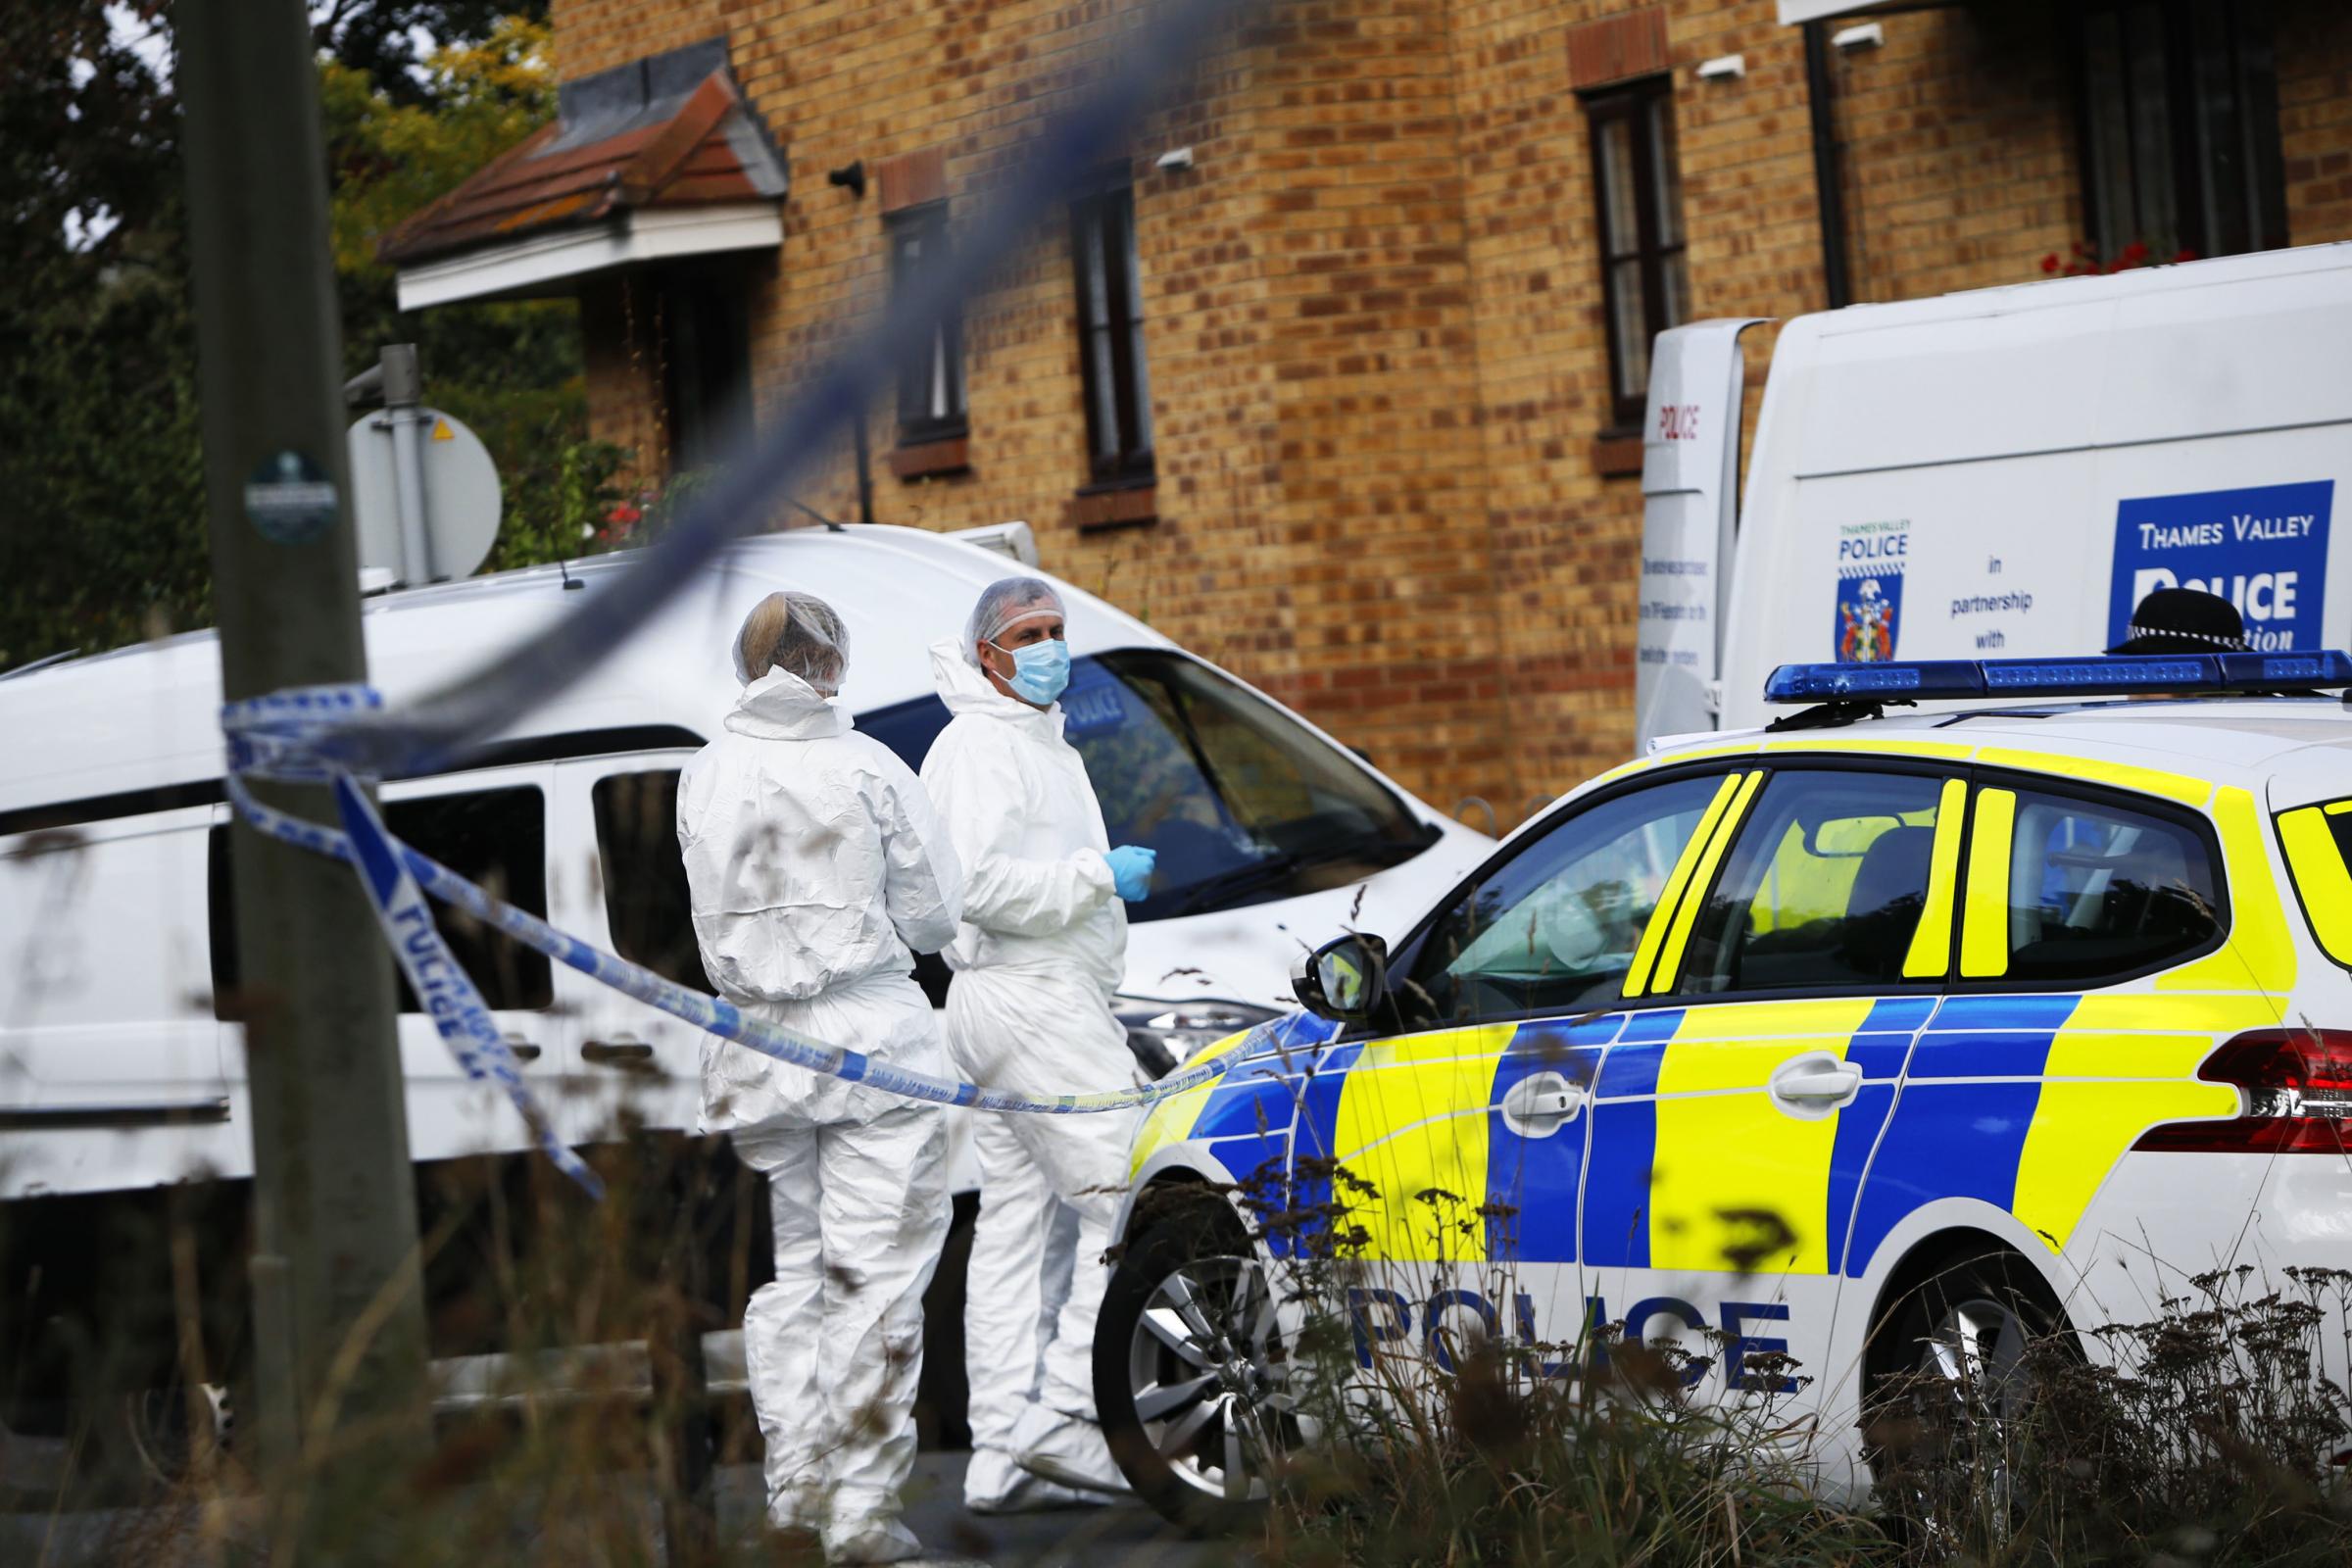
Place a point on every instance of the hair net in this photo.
(795, 632)
(1002, 604)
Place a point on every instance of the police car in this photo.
(1880, 1043)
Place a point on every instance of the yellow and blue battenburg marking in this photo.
(1677, 1158)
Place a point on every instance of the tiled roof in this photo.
(664, 132)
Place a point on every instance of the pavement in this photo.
(1125, 1534)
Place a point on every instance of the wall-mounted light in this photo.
(1866, 35)
(1723, 68)
(851, 178)
(1173, 159)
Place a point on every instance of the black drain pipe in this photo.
(1821, 94)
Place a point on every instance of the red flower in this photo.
(2049, 263)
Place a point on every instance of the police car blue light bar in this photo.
(2112, 675)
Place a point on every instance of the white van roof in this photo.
(147, 717)
(2154, 354)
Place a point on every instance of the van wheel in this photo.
(1950, 1375)
(1191, 1373)
(157, 1431)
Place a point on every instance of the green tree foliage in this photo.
(511, 370)
(101, 469)
(100, 472)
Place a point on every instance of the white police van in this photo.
(1878, 1043)
(2004, 473)
(123, 1091)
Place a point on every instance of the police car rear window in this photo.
(2318, 840)
(2098, 890)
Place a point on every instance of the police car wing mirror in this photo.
(1343, 979)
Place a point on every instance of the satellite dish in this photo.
(456, 487)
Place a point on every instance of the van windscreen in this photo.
(1244, 803)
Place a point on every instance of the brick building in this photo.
(1350, 401)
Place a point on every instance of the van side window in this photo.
(645, 878)
(495, 838)
(2098, 890)
(1824, 889)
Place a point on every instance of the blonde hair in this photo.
(795, 632)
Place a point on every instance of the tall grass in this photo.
(2205, 1436)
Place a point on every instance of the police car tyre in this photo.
(1190, 1367)
(1947, 1372)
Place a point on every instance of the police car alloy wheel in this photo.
(1192, 1376)
(1950, 1381)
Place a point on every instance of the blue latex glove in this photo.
(1130, 870)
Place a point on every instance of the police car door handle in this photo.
(1541, 1104)
(622, 1051)
(1816, 1081)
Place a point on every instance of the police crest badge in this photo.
(1869, 601)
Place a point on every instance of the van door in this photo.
(1689, 504)
(1730, 1136)
(110, 1053)
(618, 822)
(490, 826)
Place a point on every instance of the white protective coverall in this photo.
(1040, 954)
(815, 865)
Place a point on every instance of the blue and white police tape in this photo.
(270, 738)
(443, 988)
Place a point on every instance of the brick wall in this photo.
(2315, 119)
(1374, 325)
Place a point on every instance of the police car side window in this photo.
(1824, 887)
(1554, 927)
(2098, 890)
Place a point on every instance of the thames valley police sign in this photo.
(2264, 549)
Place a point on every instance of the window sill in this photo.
(1126, 504)
(1617, 454)
(933, 458)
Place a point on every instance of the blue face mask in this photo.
(1041, 671)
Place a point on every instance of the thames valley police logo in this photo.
(1870, 590)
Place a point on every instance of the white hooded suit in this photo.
(816, 869)
(1039, 955)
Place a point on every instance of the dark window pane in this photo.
(1139, 390)
(1637, 185)
(1824, 887)
(496, 839)
(2220, 142)
(2097, 891)
(1629, 314)
(1620, 218)
(2105, 119)
(2155, 201)
(1666, 173)
(1111, 335)
(646, 899)
(931, 398)
(702, 322)
(2180, 128)
(1674, 296)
